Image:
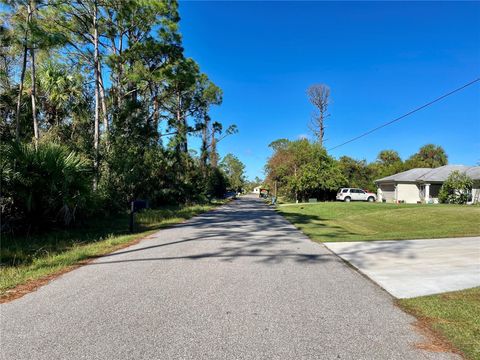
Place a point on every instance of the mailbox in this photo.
(138, 205)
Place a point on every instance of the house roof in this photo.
(405, 176)
(439, 174)
(474, 173)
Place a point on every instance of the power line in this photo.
(407, 114)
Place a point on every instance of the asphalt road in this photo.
(236, 283)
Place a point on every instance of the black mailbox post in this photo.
(136, 206)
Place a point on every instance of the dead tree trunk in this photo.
(319, 96)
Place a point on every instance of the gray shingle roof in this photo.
(474, 173)
(405, 176)
(439, 174)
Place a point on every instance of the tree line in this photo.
(98, 101)
(302, 169)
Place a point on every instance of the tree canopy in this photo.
(302, 169)
(108, 82)
(429, 156)
(234, 170)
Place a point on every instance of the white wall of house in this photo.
(410, 193)
(476, 193)
(256, 190)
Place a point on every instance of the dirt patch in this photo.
(433, 340)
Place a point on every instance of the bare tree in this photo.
(319, 96)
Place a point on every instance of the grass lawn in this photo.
(27, 259)
(455, 316)
(338, 221)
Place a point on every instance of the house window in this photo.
(434, 190)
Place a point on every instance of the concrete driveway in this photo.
(236, 283)
(410, 268)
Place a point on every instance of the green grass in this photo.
(336, 221)
(29, 258)
(454, 315)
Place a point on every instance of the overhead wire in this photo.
(407, 114)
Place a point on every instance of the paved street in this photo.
(410, 268)
(236, 283)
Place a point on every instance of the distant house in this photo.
(256, 190)
(423, 184)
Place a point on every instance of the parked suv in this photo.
(352, 194)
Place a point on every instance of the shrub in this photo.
(216, 184)
(456, 189)
(42, 186)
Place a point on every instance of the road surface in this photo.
(239, 282)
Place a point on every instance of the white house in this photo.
(256, 190)
(423, 184)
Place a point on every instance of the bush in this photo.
(216, 184)
(158, 175)
(456, 189)
(43, 186)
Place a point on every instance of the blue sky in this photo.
(380, 59)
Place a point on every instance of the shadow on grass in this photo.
(318, 228)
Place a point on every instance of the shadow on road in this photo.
(245, 228)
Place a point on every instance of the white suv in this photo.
(351, 194)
